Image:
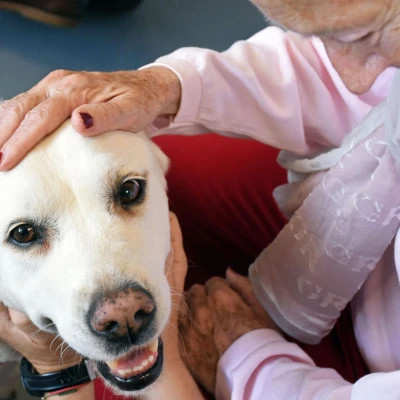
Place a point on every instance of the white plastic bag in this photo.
(345, 211)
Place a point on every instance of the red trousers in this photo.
(221, 190)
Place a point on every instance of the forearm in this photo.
(176, 383)
(263, 362)
(83, 393)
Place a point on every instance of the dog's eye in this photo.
(129, 192)
(24, 234)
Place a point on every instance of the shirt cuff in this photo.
(245, 355)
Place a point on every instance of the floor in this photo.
(29, 50)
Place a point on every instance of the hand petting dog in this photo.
(220, 312)
(97, 102)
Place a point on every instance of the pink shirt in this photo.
(280, 89)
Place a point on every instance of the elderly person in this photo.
(302, 94)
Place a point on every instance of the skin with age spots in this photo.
(220, 312)
(361, 36)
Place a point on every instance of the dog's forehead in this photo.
(78, 155)
(69, 160)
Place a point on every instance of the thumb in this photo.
(5, 321)
(122, 112)
(22, 322)
(176, 267)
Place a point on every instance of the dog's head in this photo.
(84, 238)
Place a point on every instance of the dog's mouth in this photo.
(135, 370)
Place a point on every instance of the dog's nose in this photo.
(122, 314)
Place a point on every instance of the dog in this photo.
(85, 238)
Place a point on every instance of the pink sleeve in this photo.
(278, 88)
(261, 364)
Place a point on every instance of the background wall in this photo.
(29, 50)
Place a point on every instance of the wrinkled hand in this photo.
(45, 351)
(220, 313)
(96, 102)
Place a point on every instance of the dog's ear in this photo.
(160, 156)
(161, 160)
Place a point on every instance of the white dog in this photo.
(84, 239)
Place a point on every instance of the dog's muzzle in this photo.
(125, 321)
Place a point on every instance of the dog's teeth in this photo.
(122, 372)
(128, 371)
(138, 368)
(145, 362)
(153, 346)
(151, 358)
(112, 364)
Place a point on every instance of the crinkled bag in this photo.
(344, 209)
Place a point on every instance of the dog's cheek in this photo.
(14, 281)
(163, 294)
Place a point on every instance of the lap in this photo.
(221, 190)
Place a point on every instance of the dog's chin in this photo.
(135, 370)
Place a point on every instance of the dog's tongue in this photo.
(135, 362)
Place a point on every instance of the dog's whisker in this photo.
(60, 346)
(41, 330)
(35, 333)
(180, 337)
(67, 348)
(63, 351)
(52, 342)
(192, 264)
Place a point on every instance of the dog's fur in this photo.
(67, 185)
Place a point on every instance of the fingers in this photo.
(97, 102)
(9, 332)
(121, 113)
(23, 328)
(199, 319)
(221, 294)
(242, 285)
(22, 322)
(16, 326)
(200, 312)
(215, 284)
(4, 321)
(36, 124)
(199, 292)
(12, 113)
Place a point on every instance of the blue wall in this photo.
(29, 50)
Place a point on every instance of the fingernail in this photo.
(87, 120)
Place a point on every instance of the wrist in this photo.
(48, 368)
(84, 392)
(168, 89)
(38, 385)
